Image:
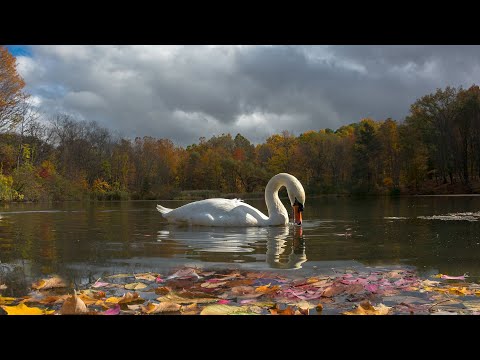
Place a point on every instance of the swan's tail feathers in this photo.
(163, 210)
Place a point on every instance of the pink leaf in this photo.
(184, 274)
(447, 277)
(99, 284)
(223, 301)
(159, 279)
(372, 288)
(113, 311)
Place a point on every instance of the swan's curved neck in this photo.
(277, 214)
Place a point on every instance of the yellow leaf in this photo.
(125, 299)
(87, 299)
(365, 308)
(113, 299)
(6, 300)
(135, 286)
(73, 305)
(50, 283)
(459, 291)
(146, 276)
(225, 310)
(182, 300)
(22, 309)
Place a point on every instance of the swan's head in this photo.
(296, 194)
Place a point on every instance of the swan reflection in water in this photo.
(234, 241)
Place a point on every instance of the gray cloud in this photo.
(184, 92)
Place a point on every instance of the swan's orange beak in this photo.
(297, 214)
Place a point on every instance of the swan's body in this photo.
(234, 212)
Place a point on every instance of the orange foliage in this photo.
(11, 85)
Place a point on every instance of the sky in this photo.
(192, 91)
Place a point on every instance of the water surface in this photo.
(82, 241)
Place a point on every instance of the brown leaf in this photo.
(319, 307)
(212, 285)
(354, 289)
(50, 283)
(125, 299)
(243, 282)
(365, 308)
(162, 290)
(167, 306)
(242, 290)
(191, 309)
(53, 299)
(333, 290)
(172, 297)
(73, 306)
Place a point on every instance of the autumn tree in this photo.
(11, 85)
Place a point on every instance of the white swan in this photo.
(234, 212)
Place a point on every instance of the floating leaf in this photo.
(22, 309)
(73, 305)
(146, 277)
(125, 299)
(172, 297)
(242, 290)
(100, 284)
(113, 311)
(365, 308)
(135, 286)
(213, 285)
(333, 290)
(354, 289)
(459, 291)
(448, 277)
(3, 287)
(287, 311)
(191, 309)
(50, 283)
(163, 290)
(87, 299)
(6, 300)
(167, 306)
(219, 309)
(184, 274)
(223, 301)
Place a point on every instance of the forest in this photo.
(434, 150)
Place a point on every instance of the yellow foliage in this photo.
(101, 186)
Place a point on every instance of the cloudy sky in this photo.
(185, 92)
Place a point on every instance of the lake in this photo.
(82, 241)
